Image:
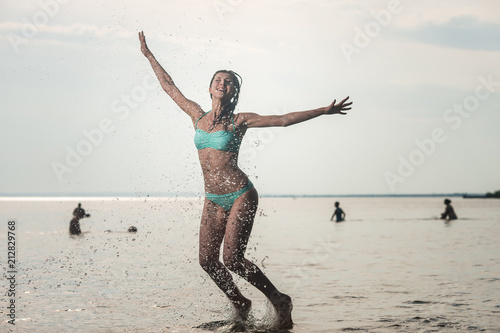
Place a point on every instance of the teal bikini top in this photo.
(220, 140)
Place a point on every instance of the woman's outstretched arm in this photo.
(166, 82)
(256, 120)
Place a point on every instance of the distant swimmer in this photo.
(74, 225)
(131, 229)
(338, 213)
(231, 199)
(449, 213)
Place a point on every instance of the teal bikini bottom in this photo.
(226, 201)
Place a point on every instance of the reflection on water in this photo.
(390, 267)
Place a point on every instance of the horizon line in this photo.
(191, 195)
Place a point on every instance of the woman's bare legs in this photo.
(238, 229)
(235, 228)
(212, 230)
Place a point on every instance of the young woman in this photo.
(231, 199)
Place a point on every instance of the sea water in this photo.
(392, 266)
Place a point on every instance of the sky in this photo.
(82, 113)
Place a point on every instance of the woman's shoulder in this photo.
(241, 118)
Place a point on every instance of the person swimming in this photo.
(231, 199)
(74, 225)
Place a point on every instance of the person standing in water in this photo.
(338, 213)
(74, 225)
(231, 199)
(449, 213)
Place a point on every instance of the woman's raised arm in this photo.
(256, 120)
(166, 82)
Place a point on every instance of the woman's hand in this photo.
(338, 108)
(144, 47)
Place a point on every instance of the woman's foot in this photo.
(283, 305)
(242, 308)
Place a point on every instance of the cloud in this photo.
(462, 32)
(72, 30)
(80, 33)
(18, 34)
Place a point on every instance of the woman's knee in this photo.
(233, 262)
(207, 262)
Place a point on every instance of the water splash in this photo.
(234, 323)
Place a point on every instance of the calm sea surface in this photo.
(392, 266)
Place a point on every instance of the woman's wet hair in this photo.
(228, 107)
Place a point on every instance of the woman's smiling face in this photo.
(222, 86)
